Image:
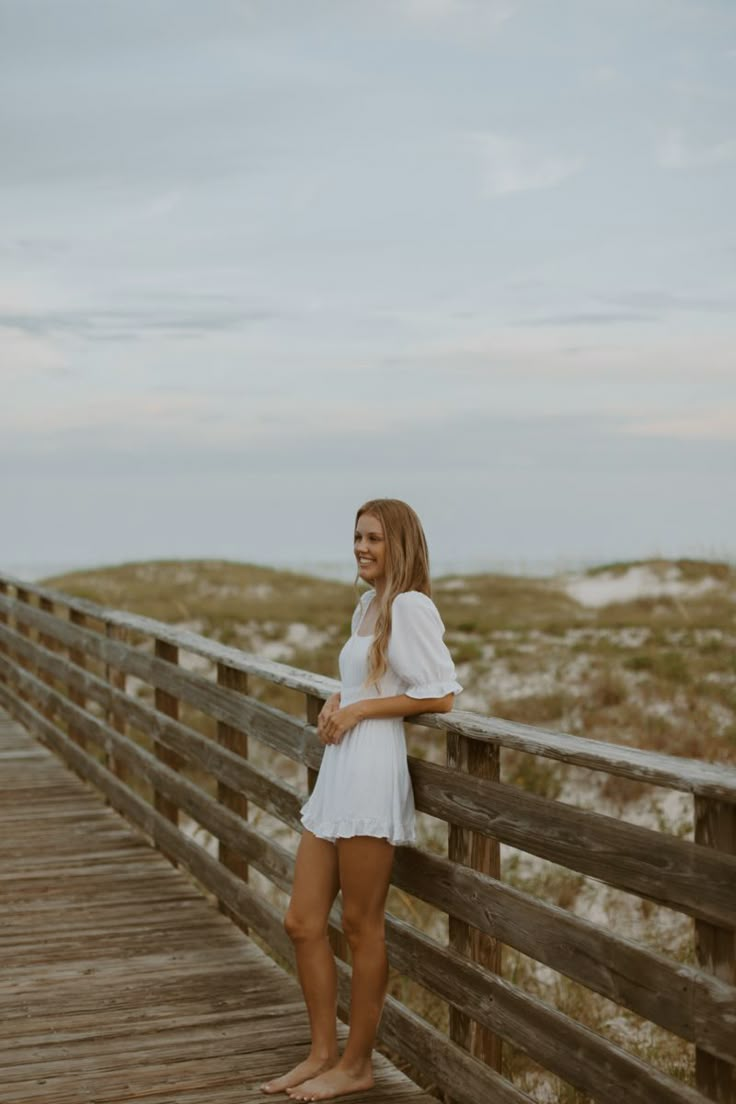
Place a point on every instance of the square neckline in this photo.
(365, 636)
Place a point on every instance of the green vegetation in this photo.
(656, 671)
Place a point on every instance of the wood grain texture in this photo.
(575, 1053)
(674, 772)
(232, 797)
(698, 878)
(683, 1000)
(670, 871)
(482, 853)
(472, 1082)
(163, 999)
(715, 826)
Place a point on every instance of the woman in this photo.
(395, 664)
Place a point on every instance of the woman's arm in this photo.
(401, 705)
(333, 727)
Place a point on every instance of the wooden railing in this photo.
(64, 663)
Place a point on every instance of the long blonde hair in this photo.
(406, 566)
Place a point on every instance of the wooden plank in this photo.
(715, 780)
(673, 872)
(281, 731)
(267, 790)
(678, 997)
(675, 996)
(662, 868)
(482, 853)
(575, 1053)
(161, 1011)
(168, 705)
(236, 741)
(116, 679)
(570, 1050)
(77, 657)
(715, 826)
(470, 1079)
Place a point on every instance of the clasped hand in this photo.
(334, 721)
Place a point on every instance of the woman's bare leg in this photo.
(316, 883)
(365, 864)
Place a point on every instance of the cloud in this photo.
(192, 319)
(716, 424)
(510, 165)
(487, 12)
(588, 318)
(674, 152)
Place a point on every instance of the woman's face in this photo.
(369, 546)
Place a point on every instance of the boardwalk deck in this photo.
(120, 981)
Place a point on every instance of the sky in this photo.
(260, 262)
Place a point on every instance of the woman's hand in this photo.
(333, 725)
(332, 703)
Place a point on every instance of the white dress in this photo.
(363, 787)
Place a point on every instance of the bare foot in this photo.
(336, 1082)
(310, 1067)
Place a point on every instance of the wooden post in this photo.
(116, 678)
(3, 616)
(168, 704)
(234, 739)
(480, 759)
(48, 642)
(23, 596)
(78, 658)
(338, 940)
(715, 826)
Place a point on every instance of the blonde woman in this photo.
(395, 664)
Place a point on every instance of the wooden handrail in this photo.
(712, 780)
(63, 668)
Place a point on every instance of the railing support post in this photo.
(715, 826)
(77, 657)
(168, 704)
(481, 759)
(3, 615)
(234, 739)
(49, 643)
(23, 596)
(116, 678)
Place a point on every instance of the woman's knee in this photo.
(300, 928)
(360, 928)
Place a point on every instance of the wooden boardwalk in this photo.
(120, 980)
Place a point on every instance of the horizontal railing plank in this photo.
(673, 872)
(676, 873)
(468, 1079)
(266, 789)
(575, 1053)
(674, 772)
(690, 1002)
(280, 731)
(684, 1000)
(680, 998)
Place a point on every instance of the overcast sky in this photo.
(260, 261)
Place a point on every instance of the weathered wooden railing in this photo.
(63, 669)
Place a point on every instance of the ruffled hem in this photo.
(434, 689)
(358, 826)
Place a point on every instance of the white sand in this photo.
(636, 582)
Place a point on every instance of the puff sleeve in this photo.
(416, 649)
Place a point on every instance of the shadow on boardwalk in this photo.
(120, 981)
